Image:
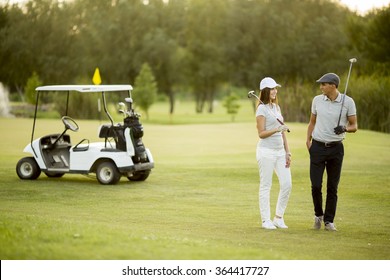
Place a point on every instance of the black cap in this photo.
(330, 78)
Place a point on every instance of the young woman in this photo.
(272, 154)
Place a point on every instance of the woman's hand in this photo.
(288, 160)
(282, 128)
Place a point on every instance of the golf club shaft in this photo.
(352, 60)
(251, 94)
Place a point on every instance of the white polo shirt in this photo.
(275, 141)
(328, 112)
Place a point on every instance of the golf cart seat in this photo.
(48, 141)
(107, 131)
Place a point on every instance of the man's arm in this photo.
(352, 124)
(310, 128)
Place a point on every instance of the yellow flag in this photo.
(96, 77)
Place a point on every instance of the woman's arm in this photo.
(260, 121)
(287, 149)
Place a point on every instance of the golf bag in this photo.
(136, 133)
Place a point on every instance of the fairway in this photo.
(200, 201)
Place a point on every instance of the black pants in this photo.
(331, 159)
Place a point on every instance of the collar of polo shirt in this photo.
(338, 98)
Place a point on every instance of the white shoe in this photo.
(330, 227)
(279, 222)
(268, 225)
(318, 222)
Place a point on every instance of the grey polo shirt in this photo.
(327, 113)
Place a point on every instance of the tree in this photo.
(163, 60)
(29, 90)
(371, 36)
(205, 32)
(145, 91)
(230, 102)
(15, 57)
(192, 45)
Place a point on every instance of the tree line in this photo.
(198, 47)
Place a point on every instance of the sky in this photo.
(360, 6)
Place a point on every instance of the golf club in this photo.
(252, 94)
(352, 60)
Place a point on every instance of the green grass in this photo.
(185, 113)
(200, 202)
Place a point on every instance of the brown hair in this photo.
(265, 97)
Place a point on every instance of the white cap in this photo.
(268, 83)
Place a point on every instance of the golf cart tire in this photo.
(139, 175)
(28, 169)
(54, 174)
(107, 173)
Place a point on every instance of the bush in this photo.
(371, 95)
(295, 101)
(231, 104)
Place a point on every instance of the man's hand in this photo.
(340, 129)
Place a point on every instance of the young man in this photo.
(324, 142)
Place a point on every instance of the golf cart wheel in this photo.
(28, 169)
(54, 174)
(139, 175)
(107, 173)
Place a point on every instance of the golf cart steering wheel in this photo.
(70, 123)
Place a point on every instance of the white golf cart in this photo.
(121, 153)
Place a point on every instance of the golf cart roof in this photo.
(85, 88)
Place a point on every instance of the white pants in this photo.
(270, 160)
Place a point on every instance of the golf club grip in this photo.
(251, 93)
(288, 130)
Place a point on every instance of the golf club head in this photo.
(251, 94)
(353, 60)
(121, 105)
